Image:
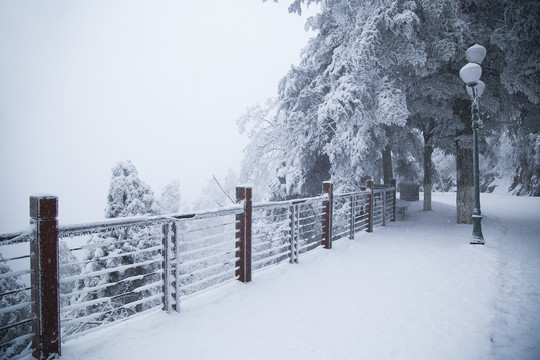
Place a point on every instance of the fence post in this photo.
(384, 207)
(243, 235)
(328, 188)
(369, 206)
(353, 215)
(166, 266)
(176, 232)
(393, 184)
(44, 276)
(294, 233)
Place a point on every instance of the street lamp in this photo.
(470, 74)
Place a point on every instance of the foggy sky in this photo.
(84, 84)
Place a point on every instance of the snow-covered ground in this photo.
(413, 290)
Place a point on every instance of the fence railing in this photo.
(16, 304)
(67, 281)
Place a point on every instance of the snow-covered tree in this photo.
(354, 85)
(333, 109)
(169, 200)
(513, 34)
(263, 154)
(510, 30)
(513, 159)
(444, 174)
(129, 195)
(376, 64)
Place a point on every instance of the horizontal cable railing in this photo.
(361, 216)
(309, 231)
(389, 206)
(203, 254)
(271, 234)
(117, 274)
(350, 214)
(342, 216)
(378, 208)
(282, 230)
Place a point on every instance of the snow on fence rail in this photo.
(96, 274)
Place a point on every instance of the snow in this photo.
(413, 290)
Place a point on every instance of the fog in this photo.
(84, 84)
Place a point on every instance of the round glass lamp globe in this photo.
(470, 73)
(480, 87)
(475, 54)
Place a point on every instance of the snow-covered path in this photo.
(413, 290)
(517, 241)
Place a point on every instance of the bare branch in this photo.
(222, 190)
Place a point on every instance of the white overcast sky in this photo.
(84, 84)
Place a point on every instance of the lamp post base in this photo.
(477, 237)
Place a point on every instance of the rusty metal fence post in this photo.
(44, 276)
(243, 235)
(328, 188)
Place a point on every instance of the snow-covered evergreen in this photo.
(169, 200)
(104, 294)
(128, 195)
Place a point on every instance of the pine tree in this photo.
(169, 200)
(128, 196)
(333, 109)
(355, 83)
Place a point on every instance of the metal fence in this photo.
(283, 230)
(109, 271)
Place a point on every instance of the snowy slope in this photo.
(413, 290)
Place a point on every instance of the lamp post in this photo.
(470, 74)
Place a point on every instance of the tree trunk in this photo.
(388, 173)
(465, 184)
(427, 133)
(464, 164)
(428, 150)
